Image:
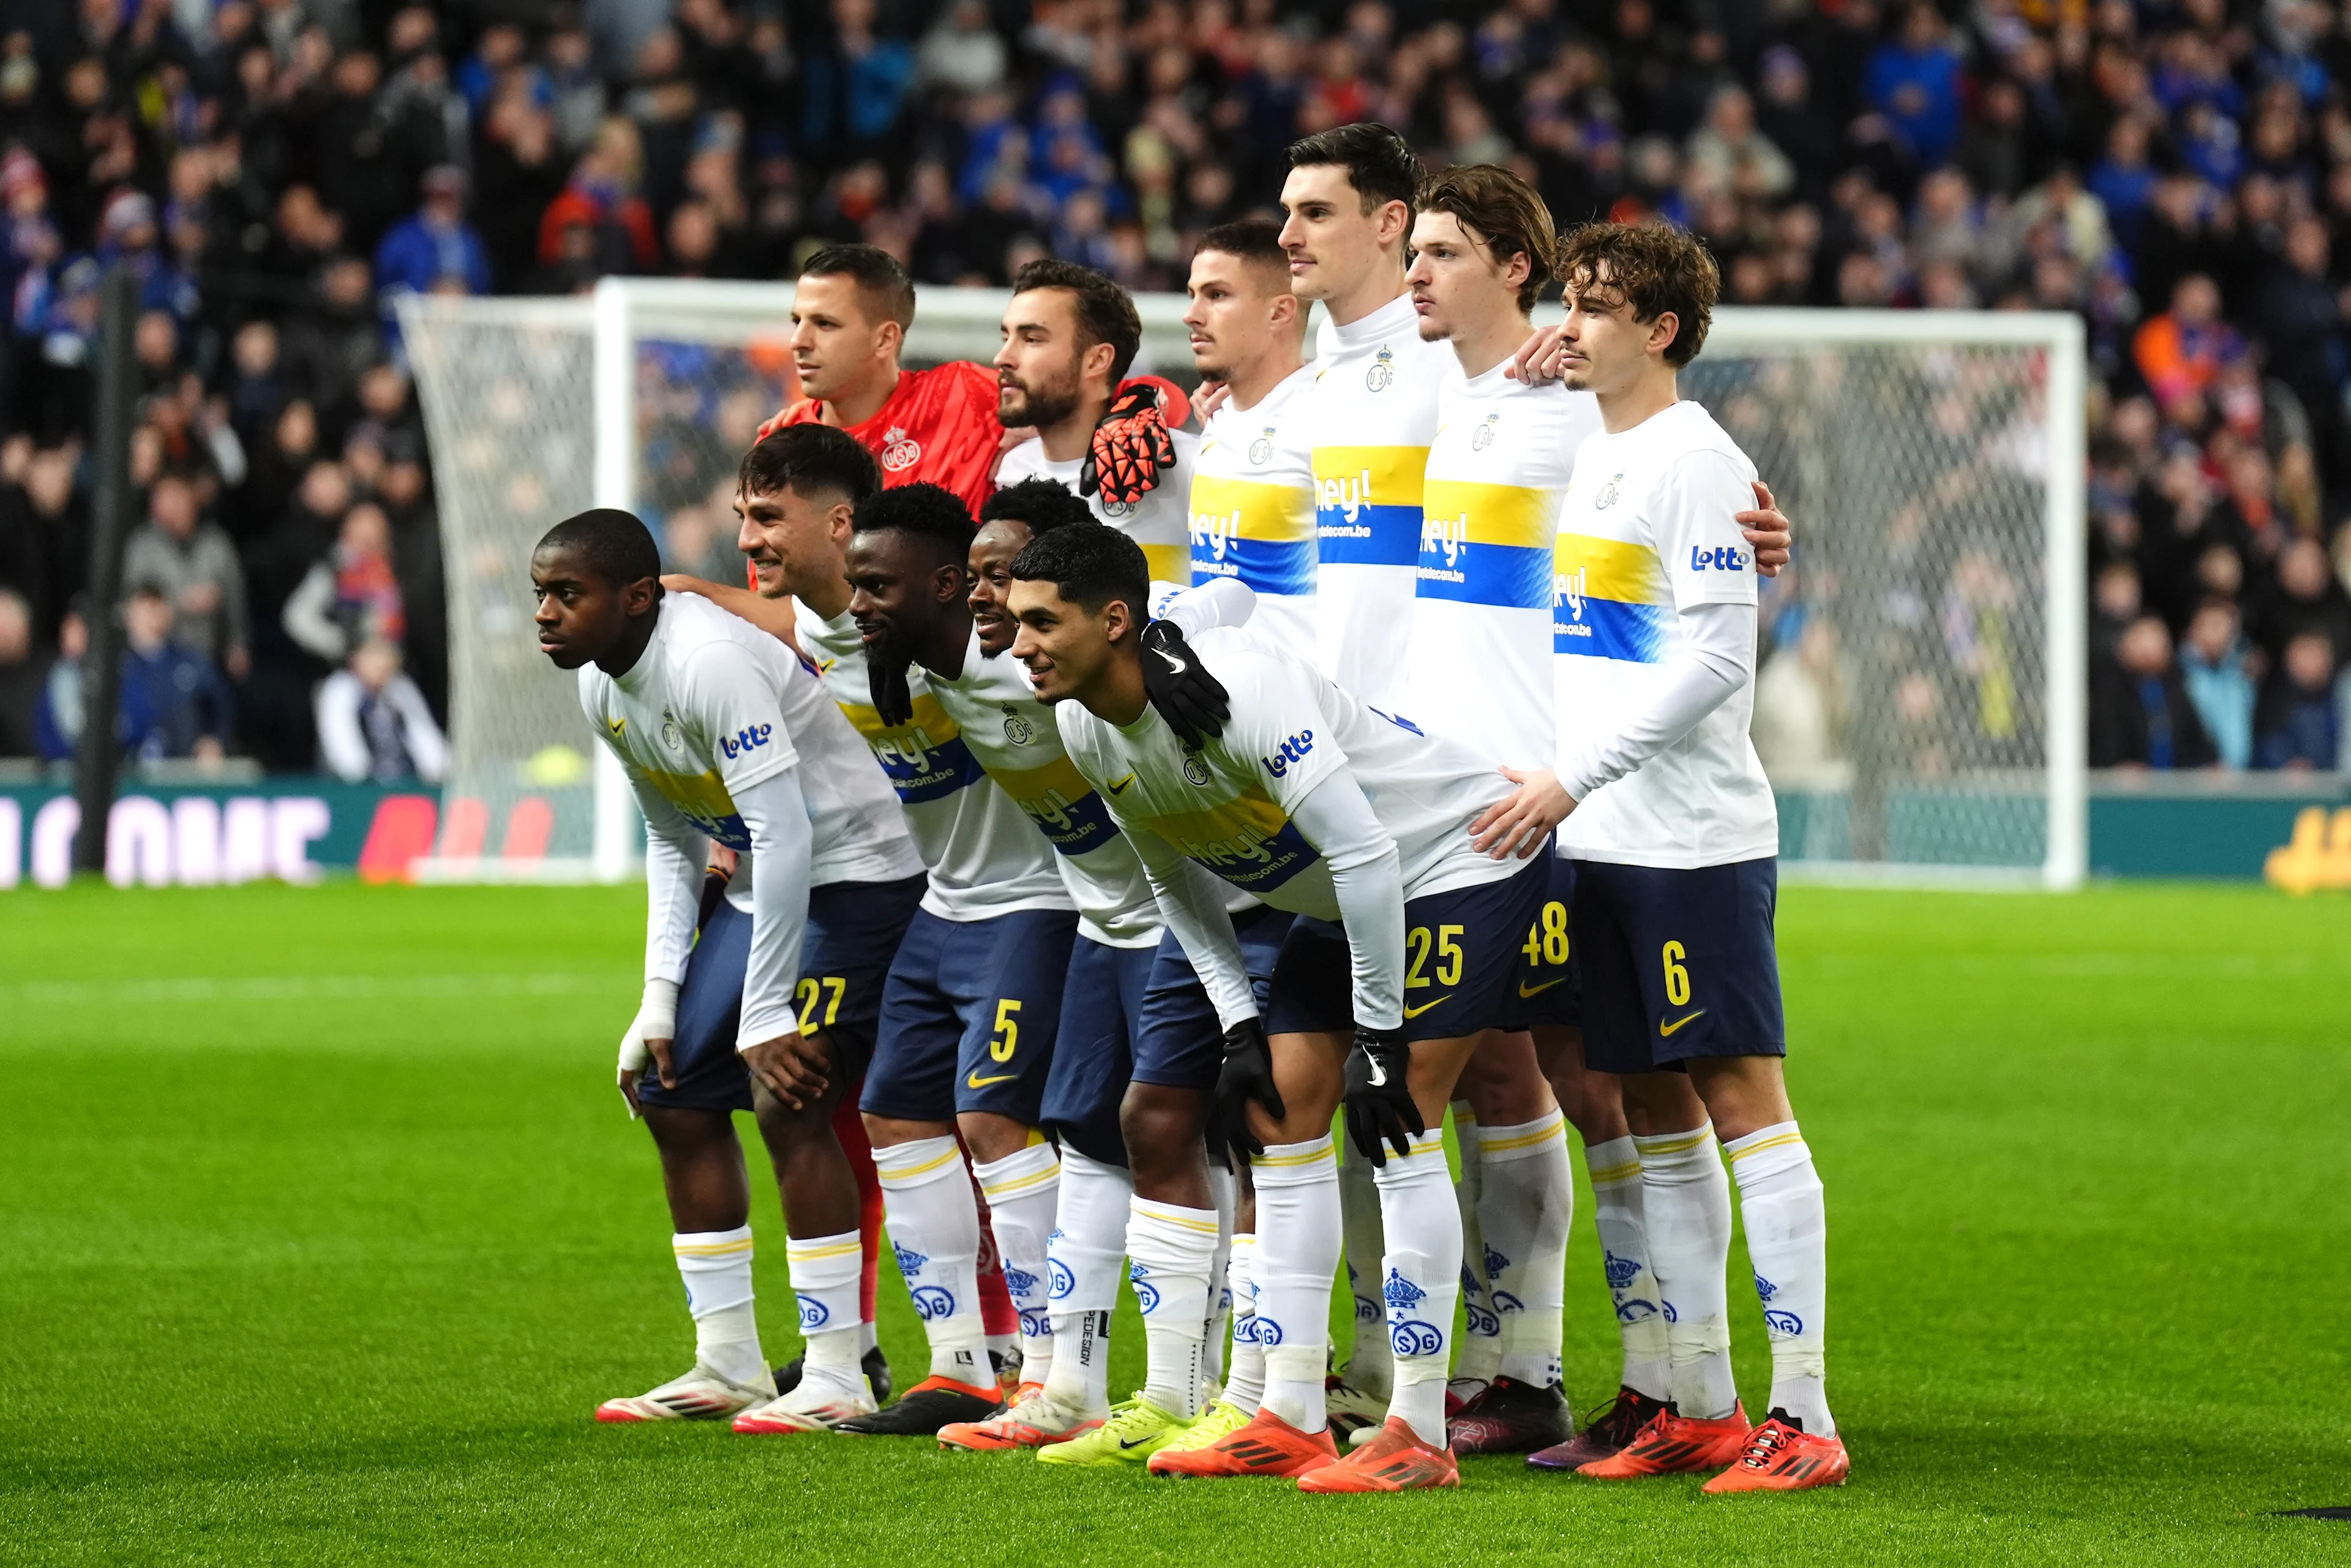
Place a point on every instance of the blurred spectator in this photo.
(21, 678)
(173, 704)
(2140, 713)
(2213, 660)
(600, 224)
(2307, 600)
(192, 562)
(2181, 351)
(373, 724)
(1914, 81)
(2300, 721)
(353, 596)
(433, 249)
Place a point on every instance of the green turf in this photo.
(324, 1231)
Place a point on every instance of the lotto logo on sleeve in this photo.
(748, 738)
(1721, 558)
(1292, 750)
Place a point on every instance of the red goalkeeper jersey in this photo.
(939, 427)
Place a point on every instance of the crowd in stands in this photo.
(274, 170)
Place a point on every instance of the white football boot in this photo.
(701, 1395)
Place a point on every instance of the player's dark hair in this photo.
(1091, 566)
(1043, 505)
(1502, 212)
(933, 515)
(812, 459)
(1105, 312)
(880, 279)
(1255, 240)
(1653, 266)
(612, 543)
(1381, 166)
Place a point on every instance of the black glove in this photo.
(1192, 701)
(1378, 1099)
(1248, 1076)
(1130, 449)
(893, 698)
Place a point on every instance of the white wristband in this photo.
(656, 1019)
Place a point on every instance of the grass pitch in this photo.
(324, 1232)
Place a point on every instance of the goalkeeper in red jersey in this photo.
(850, 311)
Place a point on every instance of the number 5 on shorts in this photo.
(1007, 1030)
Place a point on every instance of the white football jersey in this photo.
(713, 706)
(1156, 522)
(1369, 421)
(1227, 806)
(1481, 637)
(1015, 738)
(983, 856)
(1649, 528)
(1253, 510)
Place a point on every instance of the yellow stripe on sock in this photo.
(716, 1250)
(1557, 1131)
(1326, 1152)
(799, 1254)
(1011, 1185)
(1616, 1172)
(1673, 1145)
(923, 1169)
(1204, 1226)
(1781, 1141)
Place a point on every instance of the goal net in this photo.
(1920, 701)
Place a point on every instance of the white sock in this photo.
(1245, 1385)
(1616, 1209)
(1297, 1257)
(1480, 1356)
(1084, 1254)
(1369, 1366)
(824, 1274)
(717, 1268)
(1685, 1196)
(1787, 1239)
(1421, 1280)
(1223, 1192)
(1171, 1249)
(1022, 1190)
(868, 1339)
(1525, 1205)
(934, 1219)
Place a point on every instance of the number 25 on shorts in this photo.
(1007, 1030)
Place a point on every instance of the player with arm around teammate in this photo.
(727, 737)
(1664, 806)
(1357, 821)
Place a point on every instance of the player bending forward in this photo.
(1312, 802)
(727, 737)
(1675, 837)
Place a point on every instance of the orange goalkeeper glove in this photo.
(1131, 447)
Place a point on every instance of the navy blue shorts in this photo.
(853, 928)
(1094, 1055)
(1677, 964)
(1549, 990)
(1462, 963)
(969, 1015)
(1182, 1044)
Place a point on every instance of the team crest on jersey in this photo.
(672, 736)
(1607, 496)
(1110, 509)
(1382, 375)
(1261, 450)
(1483, 436)
(1017, 729)
(1195, 771)
(899, 453)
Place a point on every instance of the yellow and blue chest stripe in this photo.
(1260, 534)
(1367, 504)
(1248, 840)
(1487, 544)
(925, 758)
(1608, 600)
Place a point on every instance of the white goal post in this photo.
(1922, 703)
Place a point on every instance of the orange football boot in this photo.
(1673, 1445)
(1782, 1457)
(1268, 1446)
(1017, 1426)
(1392, 1460)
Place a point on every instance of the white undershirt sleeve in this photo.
(1219, 601)
(1367, 879)
(1715, 658)
(675, 853)
(776, 812)
(1195, 911)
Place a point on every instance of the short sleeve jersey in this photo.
(1156, 522)
(1016, 740)
(715, 705)
(1649, 530)
(938, 427)
(1252, 510)
(983, 857)
(1369, 421)
(1227, 806)
(1481, 637)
